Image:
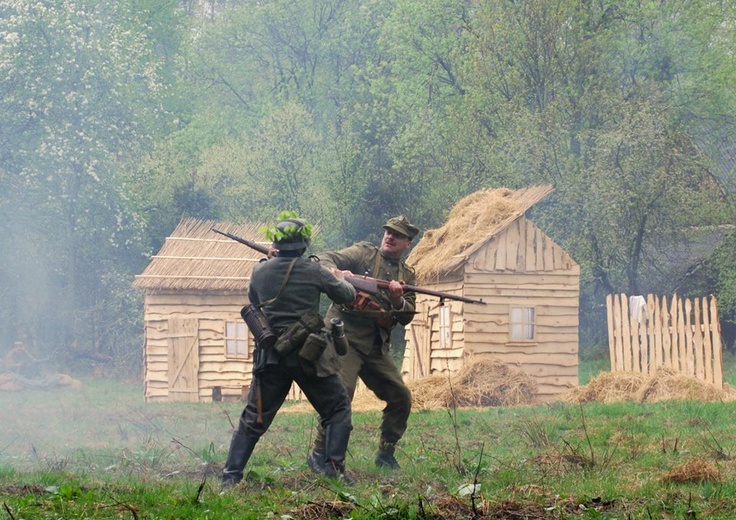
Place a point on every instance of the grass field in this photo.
(100, 452)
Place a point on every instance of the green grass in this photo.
(100, 452)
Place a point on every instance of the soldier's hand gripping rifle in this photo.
(375, 285)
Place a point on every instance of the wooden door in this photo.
(183, 343)
(418, 343)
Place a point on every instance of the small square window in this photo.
(236, 339)
(521, 324)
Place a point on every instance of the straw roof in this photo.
(473, 222)
(196, 258)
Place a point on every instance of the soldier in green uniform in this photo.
(368, 325)
(288, 287)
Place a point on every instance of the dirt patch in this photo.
(664, 385)
(12, 382)
(20, 490)
(477, 507)
(326, 509)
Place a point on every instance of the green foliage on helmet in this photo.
(289, 227)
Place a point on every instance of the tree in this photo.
(79, 89)
(599, 99)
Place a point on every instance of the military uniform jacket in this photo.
(361, 258)
(307, 281)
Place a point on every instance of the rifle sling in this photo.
(377, 265)
(283, 284)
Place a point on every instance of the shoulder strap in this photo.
(283, 284)
(377, 265)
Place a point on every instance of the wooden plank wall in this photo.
(552, 357)
(522, 247)
(684, 335)
(521, 267)
(211, 313)
(422, 353)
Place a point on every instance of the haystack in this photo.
(487, 382)
(473, 220)
(665, 384)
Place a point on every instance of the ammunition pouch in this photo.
(313, 347)
(258, 326)
(295, 336)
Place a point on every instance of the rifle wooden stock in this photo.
(373, 285)
(363, 283)
(244, 241)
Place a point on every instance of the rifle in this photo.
(244, 241)
(373, 285)
(364, 283)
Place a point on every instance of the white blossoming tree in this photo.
(79, 91)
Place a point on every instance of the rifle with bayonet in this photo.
(253, 245)
(364, 283)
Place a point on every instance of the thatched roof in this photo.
(474, 221)
(196, 258)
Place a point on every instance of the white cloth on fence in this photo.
(637, 308)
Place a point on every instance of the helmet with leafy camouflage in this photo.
(291, 233)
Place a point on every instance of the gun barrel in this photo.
(368, 284)
(249, 243)
(443, 295)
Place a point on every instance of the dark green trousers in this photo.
(326, 394)
(379, 373)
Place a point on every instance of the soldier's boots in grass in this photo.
(331, 463)
(316, 461)
(385, 457)
(241, 448)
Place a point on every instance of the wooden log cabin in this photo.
(489, 250)
(196, 345)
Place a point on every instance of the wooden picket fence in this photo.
(684, 335)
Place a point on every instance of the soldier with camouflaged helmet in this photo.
(287, 289)
(368, 325)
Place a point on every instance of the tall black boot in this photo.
(241, 448)
(336, 446)
(316, 460)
